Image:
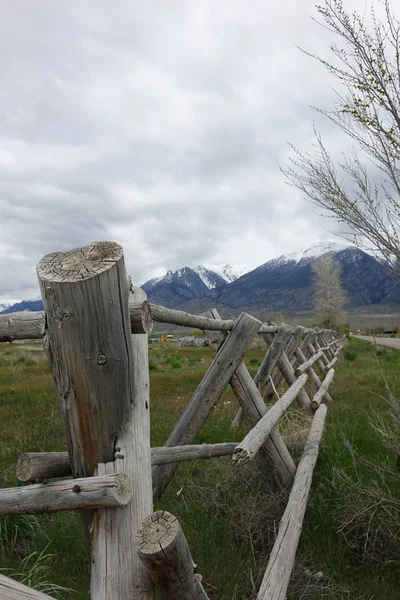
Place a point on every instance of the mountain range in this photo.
(284, 283)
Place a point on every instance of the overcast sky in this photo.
(159, 125)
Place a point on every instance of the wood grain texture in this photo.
(141, 317)
(165, 553)
(165, 455)
(254, 408)
(320, 362)
(21, 326)
(85, 293)
(46, 465)
(43, 465)
(281, 561)
(161, 314)
(207, 394)
(308, 363)
(317, 398)
(279, 343)
(13, 590)
(117, 571)
(290, 377)
(248, 448)
(72, 494)
(313, 375)
(102, 383)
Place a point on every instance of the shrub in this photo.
(387, 355)
(194, 359)
(153, 366)
(349, 354)
(174, 363)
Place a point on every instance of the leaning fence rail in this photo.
(95, 328)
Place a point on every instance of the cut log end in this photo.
(141, 316)
(158, 531)
(241, 456)
(79, 264)
(123, 489)
(23, 468)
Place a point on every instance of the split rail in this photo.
(95, 330)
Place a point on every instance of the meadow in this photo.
(349, 546)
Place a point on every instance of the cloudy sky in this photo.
(160, 125)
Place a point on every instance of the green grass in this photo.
(229, 517)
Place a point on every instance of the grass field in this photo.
(229, 517)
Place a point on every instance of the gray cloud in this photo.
(159, 125)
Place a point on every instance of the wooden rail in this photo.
(99, 360)
(27, 325)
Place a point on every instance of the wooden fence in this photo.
(95, 329)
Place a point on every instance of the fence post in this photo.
(95, 368)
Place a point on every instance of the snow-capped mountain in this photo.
(228, 272)
(183, 285)
(176, 287)
(3, 307)
(286, 282)
(307, 255)
(283, 284)
(33, 305)
(216, 275)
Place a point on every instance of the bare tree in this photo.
(366, 65)
(329, 295)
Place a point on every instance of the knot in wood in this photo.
(101, 359)
(76, 489)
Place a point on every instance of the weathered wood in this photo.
(248, 448)
(320, 362)
(279, 343)
(162, 314)
(140, 315)
(85, 293)
(165, 455)
(26, 325)
(43, 465)
(117, 571)
(13, 590)
(290, 377)
(96, 368)
(276, 579)
(309, 363)
(207, 394)
(30, 325)
(319, 346)
(239, 418)
(254, 407)
(71, 494)
(164, 551)
(278, 375)
(21, 326)
(317, 398)
(313, 375)
(330, 364)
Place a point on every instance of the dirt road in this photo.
(381, 341)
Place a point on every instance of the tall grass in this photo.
(230, 517)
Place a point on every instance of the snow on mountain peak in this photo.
(313, 252)
(229, 272)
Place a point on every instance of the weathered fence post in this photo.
(101, 378)
(225, 363)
